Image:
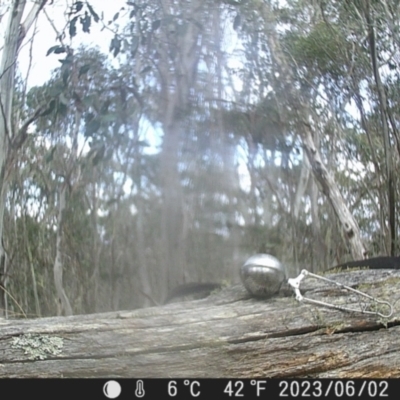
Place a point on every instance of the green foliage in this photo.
(92, 126)
(263, 123)
(56, 50)
(92, 12)
(324, 48)
(115, 45)
(83, 70)
(85, 18)
(72, 27)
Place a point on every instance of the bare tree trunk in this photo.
(175, 93)
(7, 75)
(172, 209)
(32, 270)
(143, 269)
(92, 295)
(14, 35)
(301, 188)
(58, 263)
(320, 248)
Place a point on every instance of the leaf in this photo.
(115, 17)
(236, 22)
(83, 70)
(62, 109)
(104, 107)
(88, 117)
(86, 22)
(60, 50)
(78, 6)
(77, 99)
(107, 118)
(145, 69)
(50, 155)
(72, 27)
(155, 25)
(132, 13)
(49, 109)
(89, 100)
(143, 143)
(115, 46)
(55, 50)
(66, 61)
(55, 90)
(92, 127)
(65, 76)
(99, 155)
(94, 15)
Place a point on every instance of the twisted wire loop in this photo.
(295, 285)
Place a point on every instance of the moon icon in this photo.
(112, 389)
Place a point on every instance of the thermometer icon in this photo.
(139, 392)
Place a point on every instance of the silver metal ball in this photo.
(262, 275)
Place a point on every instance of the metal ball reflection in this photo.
(262, 275)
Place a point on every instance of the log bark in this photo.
(229, 334)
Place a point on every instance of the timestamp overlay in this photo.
(115, 388)
(268, 388)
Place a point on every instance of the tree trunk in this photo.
(65, 306)
(177, 81)
(14, 35)
(226, 335)
(295, 102)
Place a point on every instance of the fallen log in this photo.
(229, 334)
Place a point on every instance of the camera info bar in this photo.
(116, 388)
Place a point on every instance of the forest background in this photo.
(206, 132)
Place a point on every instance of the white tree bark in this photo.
(14, 35)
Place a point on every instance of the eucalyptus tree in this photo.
(82, 135)
(165, 45)
(108, 110)
(176, 56)
(352, 46)
(378, 23)
(12, 133)
(304, 63)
